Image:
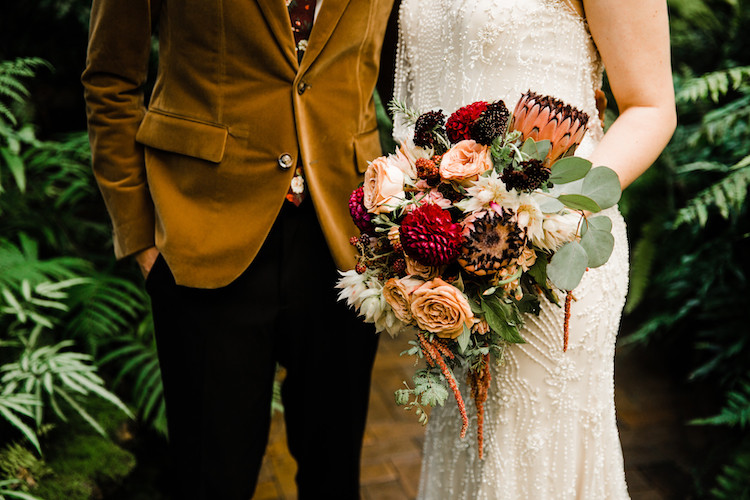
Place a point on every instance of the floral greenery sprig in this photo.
(466, 228)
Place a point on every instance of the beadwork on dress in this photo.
(550, 427)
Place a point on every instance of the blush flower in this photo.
(464, 161)
(397, 292)
(383, 187)
(441, 308)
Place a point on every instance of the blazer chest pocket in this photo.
(182, 135)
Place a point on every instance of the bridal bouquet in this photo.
(469, 225)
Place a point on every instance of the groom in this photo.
(230, 189)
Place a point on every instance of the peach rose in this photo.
(383, 187)
(465, 161)
(415, 268)
(397, 293)
(441, 308)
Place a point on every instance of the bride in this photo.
(550, 430)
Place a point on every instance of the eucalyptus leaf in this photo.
(463, 339)
(602, 185)
(600, 222)
(548, 204)
(536, 149)
(569, 169)
(567, 266)
(598, 245)
(579, 202)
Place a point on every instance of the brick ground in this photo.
(656, 443)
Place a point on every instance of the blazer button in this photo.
(301, 87)
(285, 161)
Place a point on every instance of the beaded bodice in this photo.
(454, 52)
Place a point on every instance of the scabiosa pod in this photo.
(546, 118)
(428, 131)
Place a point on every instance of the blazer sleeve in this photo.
(113, 81)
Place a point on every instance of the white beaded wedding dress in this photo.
(550, 428)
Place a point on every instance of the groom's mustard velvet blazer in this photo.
(199, 171)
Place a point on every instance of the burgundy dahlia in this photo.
(360, 215)
(429, 236)
(459, 123)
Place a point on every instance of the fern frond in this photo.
(732, 482)
(736, 411)
(712, 85)
(726, 195)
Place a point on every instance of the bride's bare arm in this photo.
(633, 39)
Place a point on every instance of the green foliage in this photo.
(18, 462)
(689, 273)
(12, 85)
(737, 409)
(732, 482)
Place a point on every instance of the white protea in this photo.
(558, 229)
(364, 292)
(530, 217)
(352, 285)
(485, 190)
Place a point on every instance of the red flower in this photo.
(360, 216)
(429, 236)
(459, 123)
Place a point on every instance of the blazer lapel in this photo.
(277, 16)
(328, 17)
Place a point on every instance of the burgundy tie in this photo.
(301, 15)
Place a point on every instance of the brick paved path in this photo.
(656, 443)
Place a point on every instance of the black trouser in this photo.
(218, 350)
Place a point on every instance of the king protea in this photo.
(546, 118)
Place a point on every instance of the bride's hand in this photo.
(633, 39)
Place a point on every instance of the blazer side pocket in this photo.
(366, 148)
(182, 135)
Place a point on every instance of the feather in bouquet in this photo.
(467, 227)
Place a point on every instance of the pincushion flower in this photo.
(429, 235)
(383, 187)
(465, 160)
(543, 117)
(459, 123)
(397, 292)
(441, 308)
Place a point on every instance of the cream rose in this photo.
(465, 161)
(397, 293)
(383, 187)
(441, 308)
